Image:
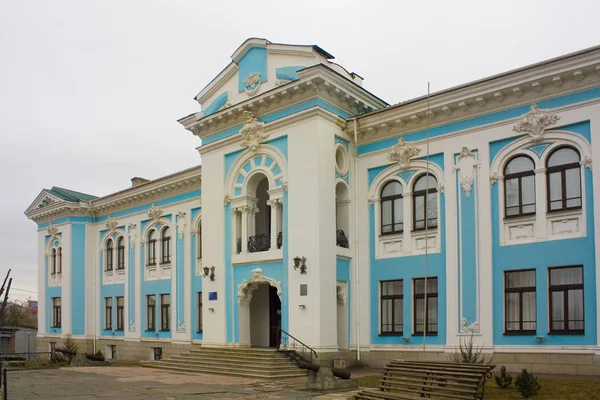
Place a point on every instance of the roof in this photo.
(70, 195)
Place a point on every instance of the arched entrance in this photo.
(259, 311)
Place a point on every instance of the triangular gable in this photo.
(44, 199)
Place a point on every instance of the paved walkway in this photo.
(137, 383)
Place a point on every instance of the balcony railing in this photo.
(260, 242)
(341, 240)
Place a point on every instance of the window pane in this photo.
(566, 276)
(397, 315)
(108, 301)
(518, 164)
(386, 315)
(391, 189)
(516, 279)
(431, 286)
(555, 186)
(166, 232)
(529, 311)
(512, 311)
(512, 192)
(573, 183)
(432, 209)
(165, 299)
(120, 301)
(151, 300)
(425, 182)
(419, 310)
(575, 303)
(528, 189)
(398, 213)
(432, 314)
(386, 215)
(419, 212)
(558, 312)
(391, 288)
(563, 156)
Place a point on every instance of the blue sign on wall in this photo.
(212, 295)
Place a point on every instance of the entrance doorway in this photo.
(265, 316)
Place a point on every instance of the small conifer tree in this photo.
(505, 379)
(527, 383)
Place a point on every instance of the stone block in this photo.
(572, 359)
(501, 358)
(562, 369)
(532, 358)
(515, 367)
(588, 370)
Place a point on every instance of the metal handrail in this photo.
(311, 351)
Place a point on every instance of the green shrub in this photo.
(527, 383)
(504, 380)
(469, 353)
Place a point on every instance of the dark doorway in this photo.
(274, 317)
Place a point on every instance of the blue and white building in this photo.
(366, 230)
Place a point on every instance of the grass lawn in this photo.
(551, 389)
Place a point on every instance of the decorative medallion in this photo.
(154, 213)
(226, 200)
(402, 153)
(132, 235)
(181, 225)
(252, 132)
(45, 202)
(52, 230)
(252, 83)
(535, 122)
(587, 163)
(247, 287)
(112, 224)
(472, 327)
(466, 167)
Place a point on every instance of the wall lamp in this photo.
(211, 309)
(540, 339)
(211, 270)
(300, 262)
(406, 339)
(301, 306)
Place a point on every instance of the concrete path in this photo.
(136, 383)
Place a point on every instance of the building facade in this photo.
(367, 231)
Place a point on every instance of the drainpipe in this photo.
(95, 274)
(356, 244)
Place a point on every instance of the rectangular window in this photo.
(120, 313)
(108, 313)
(519, 302)
(199, 312)
(150, 312)
(56, 312)
(165, 311)
(392, 299)
(566, 300)
(425, 306)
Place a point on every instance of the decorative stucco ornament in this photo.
(247, 287)
(181, 225)
(340, 295)
(281, 82)
(472, 327)
(441, 188)
(132, 235)
(371, 201)
(466, 167)
(112, 224)
(154, 213)
(180, 327)
(252, 83)
(402, 153)
(587, 163)
(494, 178)
(46, 201)
(131, 326)
(52, 230)
(226, 200)
(252, 132)
(535, 122)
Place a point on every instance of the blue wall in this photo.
(78, 279)
(342, 273)
(255, 60)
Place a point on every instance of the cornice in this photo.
(211, 89)
(59, 210)
(315, 82)
(506, 92)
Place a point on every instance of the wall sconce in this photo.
(302, 306)
(540, 339)
(406, 339)
(212, 272)
(211, 309)
(300, 262)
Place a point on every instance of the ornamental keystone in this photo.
(402, 153)
(535, 122)
(112, 224)
(252, 132)
(154, 213)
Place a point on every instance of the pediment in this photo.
(44, 199)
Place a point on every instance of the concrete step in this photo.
(233, 357)
(234, 350)
(223, 370)
(233, 360)
(220, 363)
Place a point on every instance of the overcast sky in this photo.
(90, 91)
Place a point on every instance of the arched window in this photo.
(59, 267)
(152, 248)
(53, 270)
(564, 179)
(121, 253)
(425, 198)
(392, 208)
(199, 237)
(519, 187)
(109, 255)
(166, 246)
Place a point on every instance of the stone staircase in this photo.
(245, 362)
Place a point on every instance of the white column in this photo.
(245, 215)
(274, 204)
(408, 222)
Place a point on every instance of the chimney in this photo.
(137, 181)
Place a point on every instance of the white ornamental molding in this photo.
(154, 213)
(472, 327)
(131, 326)
(180, 327)
(441, 188)
(252, 83)
(252, 132)
(284, 185)
(52, 231)
(466, 167)
(181, 225)
(370, 201)
(275, 203)
(535, 122)
(495, 177)
(112, 224)
(226, 200)
(132, 235)
(587, 163)
(247, 287)
(402, 153)
(340, 295)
